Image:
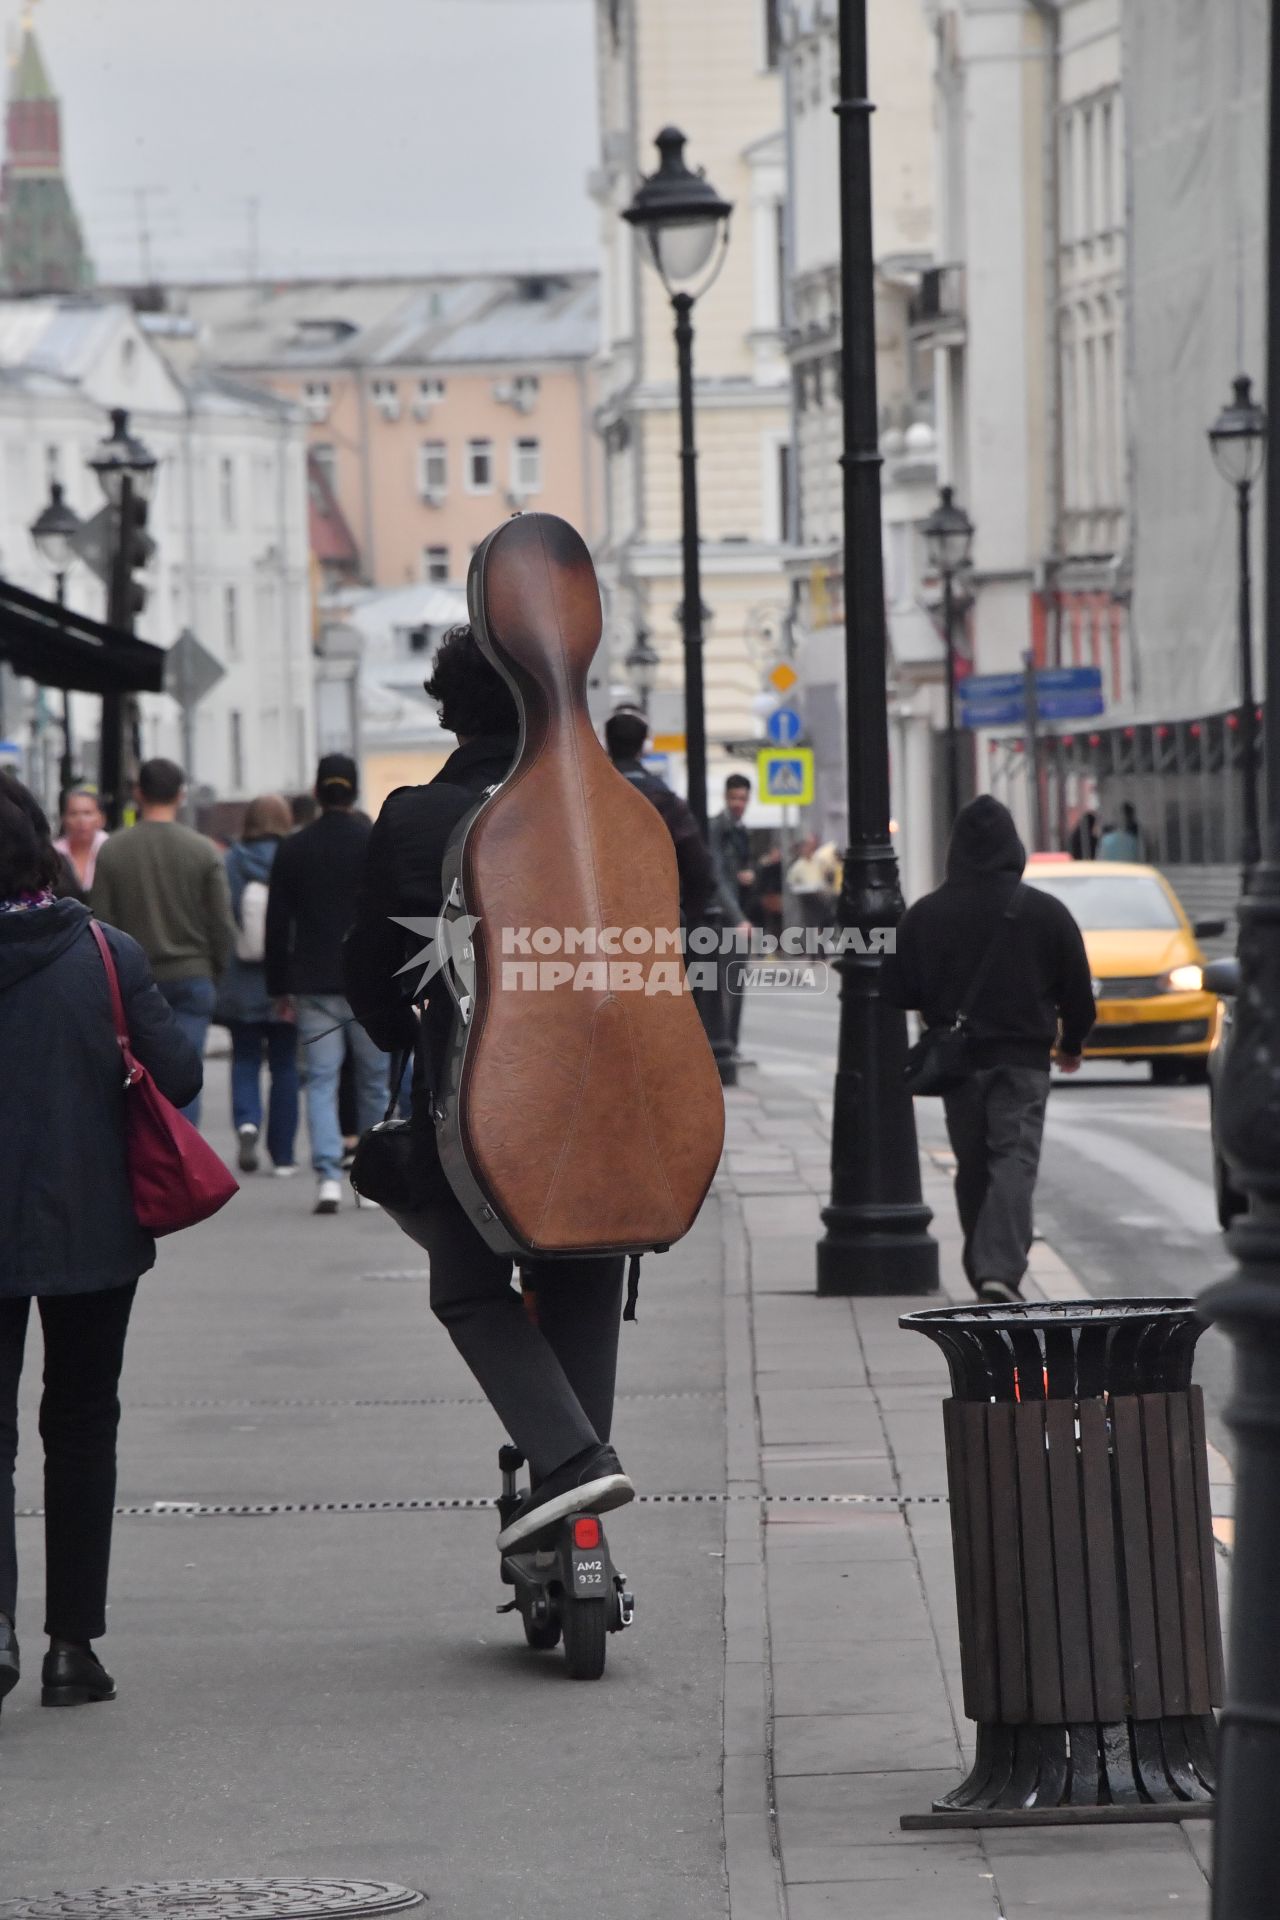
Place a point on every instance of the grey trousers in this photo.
(551, 1384)
(995, 1123)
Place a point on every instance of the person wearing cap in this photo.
(311, 904)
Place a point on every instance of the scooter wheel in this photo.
(542, 1635)
(586, 1633)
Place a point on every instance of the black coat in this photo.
(402, 877)
(67, 1223)
(1039, 974)
(312, 901)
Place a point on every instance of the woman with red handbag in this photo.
(69, 1225)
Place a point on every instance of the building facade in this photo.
(711, 70)
(228, 516)
(434, 408)
(902, 179)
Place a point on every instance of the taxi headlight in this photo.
(1188, 979)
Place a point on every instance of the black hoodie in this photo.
(1039, 975)
(67, 1223)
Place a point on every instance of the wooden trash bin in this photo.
(1090, 1641)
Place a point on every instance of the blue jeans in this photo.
(192, 1004)
(279, 1039)
(325, 1029)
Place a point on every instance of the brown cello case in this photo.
(583, 1114)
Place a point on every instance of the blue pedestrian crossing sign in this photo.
(784, 727)
(786, 776)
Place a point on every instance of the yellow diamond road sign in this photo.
(786, 776)
(783, 677)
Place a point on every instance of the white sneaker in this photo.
(248, 1155)
(328, 1197)
(284, 1173)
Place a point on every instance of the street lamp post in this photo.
(685, 226)
(126, 469)
(948, 534)
(1238, 441)
(877, 1238)
(1247, 1305)
(641, 664)
(53, 531)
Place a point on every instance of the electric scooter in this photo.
(566, 1585)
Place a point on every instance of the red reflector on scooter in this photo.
(586, 1533)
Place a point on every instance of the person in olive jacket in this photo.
(71, 1239)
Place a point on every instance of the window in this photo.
(433, 469)
(784, 490)
(526, 466)
(1107, 212)
(435, 563)
(227, 491)
(231, 621)
(430, 394)
(52, 463)
(237, 751)
(316, 398)
(1089, 223)
(525, 388)
(479, 466)
(323, 459)
(386, 398)
(772, 33)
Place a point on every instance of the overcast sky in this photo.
(376, 135)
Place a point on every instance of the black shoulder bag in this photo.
(396, 1163)
(940, 1060)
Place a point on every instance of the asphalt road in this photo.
(1125, 1193)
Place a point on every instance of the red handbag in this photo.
(175, 1176)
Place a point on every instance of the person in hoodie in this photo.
(260, 1027)
(71, 1241)
(1035, 1005)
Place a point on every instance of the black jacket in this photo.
(402, 877)
(315, 881)
(1039, 975)
(697, 875)
(67, 1223)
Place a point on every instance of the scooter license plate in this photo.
(590, 1576)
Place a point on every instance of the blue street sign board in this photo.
(999, 699)
(784, 726)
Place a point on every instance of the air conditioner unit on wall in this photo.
(433, 496)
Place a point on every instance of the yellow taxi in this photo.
(1146, 962)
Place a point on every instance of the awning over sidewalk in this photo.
(56, 648)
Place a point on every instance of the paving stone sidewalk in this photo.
(842, 1694)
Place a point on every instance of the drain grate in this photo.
(221, 1900)
(470, 1503)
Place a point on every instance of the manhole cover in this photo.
(220, 1900)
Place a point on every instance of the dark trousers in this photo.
(278, 1039)
(79, 1416)
(995, 1122)
(550, 1384)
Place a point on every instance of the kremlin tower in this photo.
(41, 247)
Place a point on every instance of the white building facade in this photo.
(899, 59)
(229, 519)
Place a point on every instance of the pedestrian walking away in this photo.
(550, 1384)
(1124, 842)
(625, 732)
(1083, 843)
(165, 885)
(311, 902)
(260, 1028)
(1034, 1003)
(71, 1239)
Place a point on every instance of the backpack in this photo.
(251, 934)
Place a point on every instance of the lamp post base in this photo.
(877, 1250)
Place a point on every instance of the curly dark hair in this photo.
(28, 861)
(473, 696)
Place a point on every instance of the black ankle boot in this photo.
(9, 1659)
(72, 1677)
